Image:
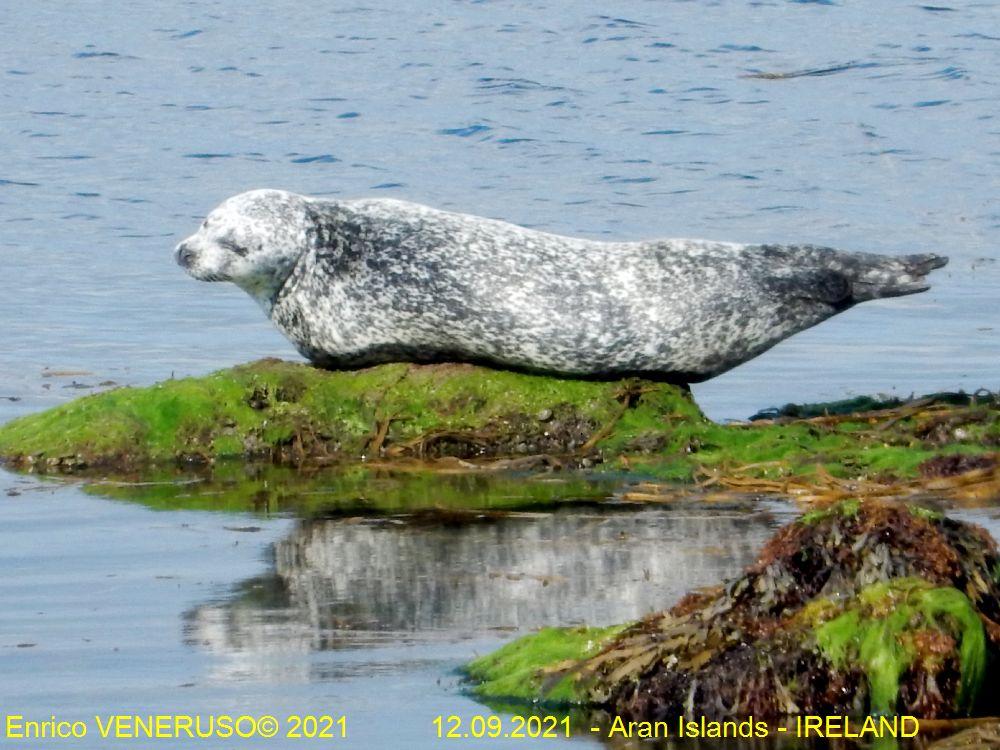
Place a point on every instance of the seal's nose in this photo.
(184, 255)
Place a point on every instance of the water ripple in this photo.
(319, 159)
(467, 131)
(514, 85)
(618, 112)
(950, 73)
(813, 72)
(619, 180)
(88, 55)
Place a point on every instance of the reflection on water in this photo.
(300, 616)
(352, 490)
(341, 583)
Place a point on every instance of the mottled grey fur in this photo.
(358, 282)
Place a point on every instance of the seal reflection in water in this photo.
(358, 282)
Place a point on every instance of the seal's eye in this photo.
(233, 247)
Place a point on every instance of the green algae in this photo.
(860, 404)
(925, 513)
(875, 633)
(847, 509)
(517, 671)
(294, 414)
(777, 451)
(825, 408)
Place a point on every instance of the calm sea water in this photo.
(121, 127)
(622, 120)
(113, 607)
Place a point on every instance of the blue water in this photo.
(111, 607)
(120, 130)
(121, 126)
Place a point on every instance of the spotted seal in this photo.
(358, 282)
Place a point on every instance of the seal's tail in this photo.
(878, 276)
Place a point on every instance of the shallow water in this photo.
(144, 606)
(628, 120)
(116, 606)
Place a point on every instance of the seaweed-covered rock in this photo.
(297, 415)
(291, 413)
(512, 672)
(861, 404)
(859, 608)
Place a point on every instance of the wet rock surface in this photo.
(859, 608)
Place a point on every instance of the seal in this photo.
(359, 282)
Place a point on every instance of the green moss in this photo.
(516, 671)
(876, 633)
(296, 414)
(290, 412)
(846, 508)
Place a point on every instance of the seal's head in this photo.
(253, 239)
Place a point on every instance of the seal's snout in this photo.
(184, 255)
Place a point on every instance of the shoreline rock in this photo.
(862, 608)
(474, 418)
(295, 414)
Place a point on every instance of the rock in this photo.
(296, 414)
(860, 608)
(956, 464)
